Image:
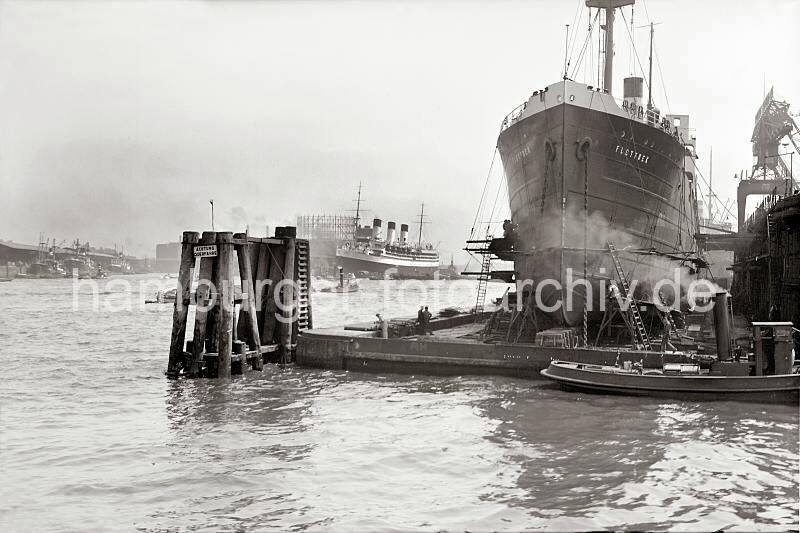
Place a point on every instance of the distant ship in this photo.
(584, 168)
(46, 264)
(393, 256)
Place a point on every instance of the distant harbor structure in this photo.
(325, 233)
(168, 256)
(52, 259)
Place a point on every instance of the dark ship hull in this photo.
(582, 174)
(354, 262)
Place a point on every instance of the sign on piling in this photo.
(205, 251)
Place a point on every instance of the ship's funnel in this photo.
(633, 89)
(376, 228)
(390, 233)
(403, 233)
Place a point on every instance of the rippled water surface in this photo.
(94, 437)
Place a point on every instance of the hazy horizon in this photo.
(122, 119)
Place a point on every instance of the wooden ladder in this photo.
(303, 280)
(483, 277)
(637, 325)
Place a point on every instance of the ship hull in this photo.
(358, 262)
(579, 178)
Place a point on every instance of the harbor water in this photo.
(93, 437)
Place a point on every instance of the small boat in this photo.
(164, 297)
(349, 286)
(676, 380)
(6, 279)
(347, 283)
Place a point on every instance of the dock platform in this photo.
(454, 347)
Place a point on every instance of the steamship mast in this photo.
(609, 6)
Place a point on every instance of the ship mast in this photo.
(421, 216)
(650, 75)
(609, 6)
(358, 215)
(710, 177)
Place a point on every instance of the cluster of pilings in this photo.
(239, 327)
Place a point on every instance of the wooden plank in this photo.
(261, 274)
(288, 301)
(269, 348)
(181, 309)
(213, 312)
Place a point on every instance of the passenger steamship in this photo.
(393, 256)
(583, 169)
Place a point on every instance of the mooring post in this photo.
(289, 306)
(202, 298)
(247, 311)
(181, 309)
(224, 303)
(213, 311)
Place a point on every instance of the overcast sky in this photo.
(121, 119)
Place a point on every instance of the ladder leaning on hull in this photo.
(636, 324)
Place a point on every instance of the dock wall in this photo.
(337, 350)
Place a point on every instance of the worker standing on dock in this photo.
(427, 321)
(421, 321)
(382, 326)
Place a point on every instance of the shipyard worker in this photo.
(665, 344)
(427, 321)
(613, 291)
(382, 326)
(508, 229)
(421, 321)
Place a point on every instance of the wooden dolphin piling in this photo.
(236, 330)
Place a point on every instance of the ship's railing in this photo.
(651, 117)
(513, 117)
(637, 112)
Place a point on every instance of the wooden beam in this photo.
(181, 309)
(224, 304)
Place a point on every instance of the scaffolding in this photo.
(326, 227)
